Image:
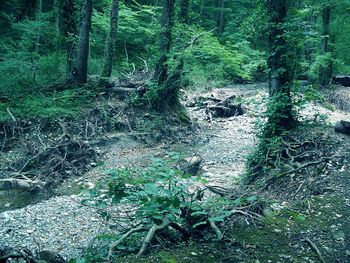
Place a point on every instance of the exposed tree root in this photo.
(165, 223)
(120, 240)
(291, 156)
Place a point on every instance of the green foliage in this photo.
(151, 97)
(320, 64)
(70, 102)
(207, 62)
(158, 192)
(137, 29)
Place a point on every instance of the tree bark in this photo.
(220, 18)
(57, 13)
(161, 72)
(81, 70)
(280, 74)
(278, 46)
(184, 11)
(70, 33)
(38, 17)
(326, 72)
(110, 41)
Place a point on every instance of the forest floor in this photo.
(296, 230)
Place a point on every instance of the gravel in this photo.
(60, 224)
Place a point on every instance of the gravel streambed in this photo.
(62, 224)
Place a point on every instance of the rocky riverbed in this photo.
(63, 224)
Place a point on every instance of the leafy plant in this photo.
(163, 200)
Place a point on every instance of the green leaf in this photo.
(216, 219)
(198, 213)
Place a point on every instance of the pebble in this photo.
(59, 224)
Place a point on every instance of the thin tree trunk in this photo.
(81, 70)
(326, 72)
(110, 41)
(38, 17)
(184, 11)
(57, 13)
(70, 33)
(220, 18)
(161, 72)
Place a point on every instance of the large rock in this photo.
(190, 165)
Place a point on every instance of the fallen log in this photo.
(215, 107)
(342, 127)
(20, 184)
(223, 111)
(343, 80)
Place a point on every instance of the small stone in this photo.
(194, 254)
(339, 235)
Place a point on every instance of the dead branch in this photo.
(20, 184)
(125, 236)
(315, 248)
(165, 223)
(305, 165)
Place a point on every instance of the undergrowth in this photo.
(163, 206)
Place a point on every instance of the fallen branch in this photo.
(19, 184)
(120, 240)
(165, 223)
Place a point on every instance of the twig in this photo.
(297, 191)
(315, 248)
(11, 115)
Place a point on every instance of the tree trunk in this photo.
(278, 47)
(38, 17)
(326, 72)
(81, 70)
(69, 32)
(184, 11)
(280, 74)
(220, 18)
(161, 72)
(57, 13)
(110, 41)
